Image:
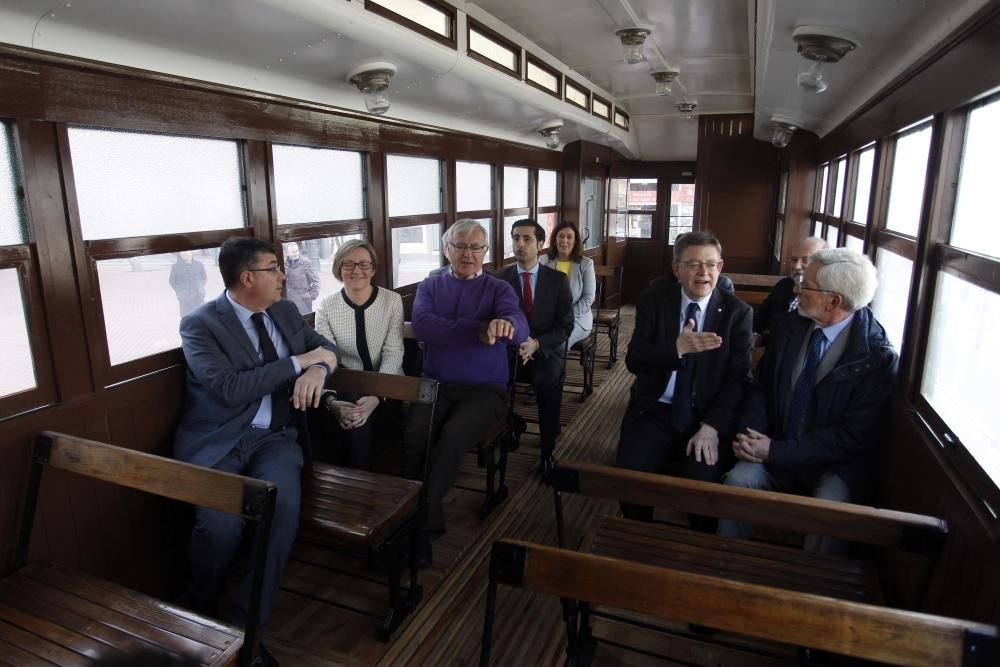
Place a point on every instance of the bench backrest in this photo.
(801, 619)
(913, 533)
(396, 387)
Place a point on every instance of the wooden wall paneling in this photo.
(46, 209)
(800, 193)
(571, 181)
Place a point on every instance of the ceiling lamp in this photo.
(632, 40)
(819, 45)
(665, 80)
(686, 109)
(550, 130)
(372, 79)
(783, 129)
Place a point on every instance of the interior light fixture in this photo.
(550, 130)
(372, 79)
(632, 40)
(686, 109)
(820, 45)
(665, 80)
(782, 130)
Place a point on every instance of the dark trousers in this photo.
(273, 457)
(354, 447)
(546, 375)
(649, 440)
(463, 416)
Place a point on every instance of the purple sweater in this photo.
(447, 313)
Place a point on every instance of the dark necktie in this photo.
(529, 306)
(793, 304)
(279, 399)
(682, 410)
(798, 409)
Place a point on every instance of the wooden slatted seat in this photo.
(371, 513)
(51, 615)
(609, 319)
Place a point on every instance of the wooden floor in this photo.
(330, 605)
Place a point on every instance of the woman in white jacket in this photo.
(566, 254)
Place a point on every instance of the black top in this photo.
(360, 332)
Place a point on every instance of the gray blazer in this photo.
(226, 380)
(583, 286)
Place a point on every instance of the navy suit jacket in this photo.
(226, 379)
(551, 321)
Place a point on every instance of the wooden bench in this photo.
(369, 512)
(819, 622)
(609, 319)
(50, 615)
(748, 562)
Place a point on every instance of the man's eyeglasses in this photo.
(267, 269)
(462, 247)
(350, 266)
(816, 289)
(696, 265)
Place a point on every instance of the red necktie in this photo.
(528, 306)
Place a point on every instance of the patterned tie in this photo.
(793, 304)
(798, 409)
(528, 305)
(279, 399)
(682, 411)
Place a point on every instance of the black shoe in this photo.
(548, 465)
(263, 658)
(425, 553)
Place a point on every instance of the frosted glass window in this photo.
(515, 187)
(542, 77)
(317, 185)
(976, 225)
(854, 243)
(576, 95)
(314, 255)
(600, 108)
(546, 187)
(823, 178)
(145, 297)
(12, 228)
(549, 222)
(831, 236)
(493, 50)
(414, 185)
(893, 293)
(473, 186)
(959, 380)
(18, 368)
(508, 226)
(906, 189)
(862, 194)
(416, 251)
(817, 228)
(141, 184)
(838, 197)
(421, 13)
(487, 225)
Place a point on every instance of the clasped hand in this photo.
(527, 349)
(752, 446)
(353, 415)
(697, 341)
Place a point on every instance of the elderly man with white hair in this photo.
(814, 419)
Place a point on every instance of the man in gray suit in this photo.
(253, 367)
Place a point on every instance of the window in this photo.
(838, 195)
(488, 47)
(975, 224)
(824, 177)
(621, 119)
(309, 277)
(317, 185)
(681, 219)
(618, 207)
(548, 201)
(591, 212)
(600, 107)
(436, 21)
(854, 243)
(863, 190)
(831, 235)
(415, 216)
(893, 293)
(515, 203)
(474, 197)
(958, 379)
(906, 187)
(19, 369)
(540, 75)
(142, 184)
(577, 95)
(13, 230)
(632, 206)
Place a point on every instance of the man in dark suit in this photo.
(690, 352)
(253, 367)
(784, 296)
(815, 417)
(547, 303)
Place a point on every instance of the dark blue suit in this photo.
(226, 381)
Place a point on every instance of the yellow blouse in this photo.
(564, 266)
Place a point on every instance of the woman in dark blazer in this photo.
(566, 254)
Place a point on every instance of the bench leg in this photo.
(588, 373)
(491, 603)
(580, 644)
(491, 469)
(416, 592)
(613, 340)
(396, 612)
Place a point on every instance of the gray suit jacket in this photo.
(226, 379)
(583, 285)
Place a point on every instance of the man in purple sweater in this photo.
(466, 319)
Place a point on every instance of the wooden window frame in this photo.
(472, 24)
(445, 9)
(594, 97)
(540, 64)
(567, 83)
(616, 111)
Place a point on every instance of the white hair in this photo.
(848, 273)
(463, 226)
